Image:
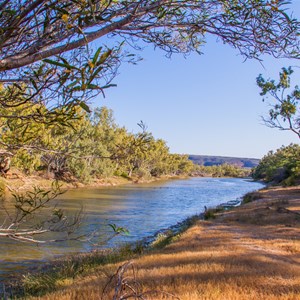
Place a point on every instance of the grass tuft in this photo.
(250, 197)
(210, 213)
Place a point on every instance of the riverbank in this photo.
(18, 181)
(249, 252)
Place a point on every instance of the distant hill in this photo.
(207, 160)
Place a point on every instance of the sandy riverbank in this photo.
(17, 181)
(250, 252)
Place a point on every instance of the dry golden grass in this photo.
(252, 252)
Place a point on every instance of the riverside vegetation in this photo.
(249, 252)
(90, 149)
(91, 146)
(280, 167)
(181, 262)
(94, 147)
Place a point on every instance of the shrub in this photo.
(281, 166)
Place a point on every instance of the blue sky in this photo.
(207, 104)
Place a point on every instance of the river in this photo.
(141, 208)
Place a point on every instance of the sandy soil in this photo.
(15, 180)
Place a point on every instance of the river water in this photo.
(143, 209)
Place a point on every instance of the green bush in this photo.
(280, 167)
(249, 197)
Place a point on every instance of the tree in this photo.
(132, 150)
(281, 166)
(285, 112)
(48, 57)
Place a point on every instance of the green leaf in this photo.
(46, 23)
(56, 63)
(95, 73)
(63, 79)
(119, 230)
(67, 64)
(77, 88)
(33, 83)
(108, 86)
(84, 106)
(104, 57)
(113, 226)
(95, 58)
(12, 12)
(93, 87)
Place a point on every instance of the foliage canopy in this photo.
(285, 111)
(48, 57)
(281, 166)
(94, 146)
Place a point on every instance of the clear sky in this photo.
(207, 104)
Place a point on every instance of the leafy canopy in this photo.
(92, 147)
(285, 111)
(50, 52)
(281, 166)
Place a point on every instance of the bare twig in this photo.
(124, 285)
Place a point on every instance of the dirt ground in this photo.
(251, 252)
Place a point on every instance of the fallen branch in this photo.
(125, 285)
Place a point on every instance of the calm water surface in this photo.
(143, 209)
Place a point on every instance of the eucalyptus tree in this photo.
(284, 113)
(54, 53)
